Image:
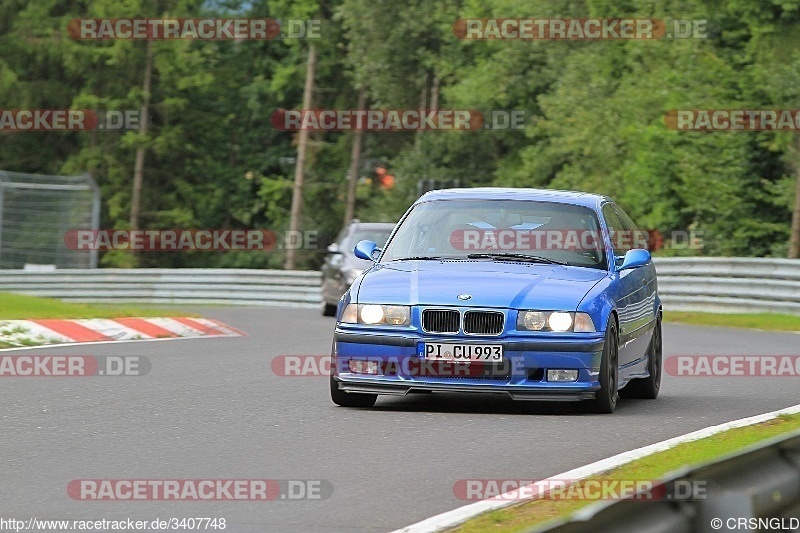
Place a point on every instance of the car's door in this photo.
(630, 290)
(646, 276)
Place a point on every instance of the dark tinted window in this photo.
(617, 230)
(638, 238)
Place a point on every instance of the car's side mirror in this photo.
(366, 250)
(334, 249)
(635, 258)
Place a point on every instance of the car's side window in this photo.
(627, 223)
(638, 238)
(617, 232)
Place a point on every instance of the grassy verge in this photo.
(19, 307)
(522, 517)
(766, 321)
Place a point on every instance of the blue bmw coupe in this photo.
(536, 294)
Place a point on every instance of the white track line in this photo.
(455, 517)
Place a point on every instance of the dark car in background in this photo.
(341, 266)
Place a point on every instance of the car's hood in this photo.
(490, 284)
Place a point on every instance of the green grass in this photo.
(523, 516)
(765, 321)
(19, 307)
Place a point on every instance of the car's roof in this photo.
(507, 193)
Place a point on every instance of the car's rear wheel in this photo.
(351, 399)
(648, 388)
(328, 309)
(606, 399)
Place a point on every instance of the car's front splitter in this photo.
(556, 394)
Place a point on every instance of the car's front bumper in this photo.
(524, 376)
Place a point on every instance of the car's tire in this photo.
(328, 309)
(606, 400)
(351, 399)
(648, 388)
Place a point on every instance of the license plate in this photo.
(437, 351)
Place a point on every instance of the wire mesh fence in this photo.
(36, 211)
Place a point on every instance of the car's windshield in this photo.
(511, 230)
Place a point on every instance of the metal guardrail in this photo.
(685, 284)
(170, 286)
(735, 284)
(760, 482)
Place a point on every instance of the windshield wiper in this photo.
(521, 257)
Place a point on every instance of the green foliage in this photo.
(595, 114)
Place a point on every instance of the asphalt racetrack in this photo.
(213, 408)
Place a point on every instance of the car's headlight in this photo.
(351, 274)
(373, 314)
(558, 321)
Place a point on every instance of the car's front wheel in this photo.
(648, 388)
(351, 399)
(606, 399)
